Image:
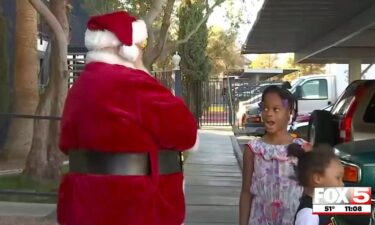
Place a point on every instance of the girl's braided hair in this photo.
(289, 100)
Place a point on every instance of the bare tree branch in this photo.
(55, 26)
(207, 6)
(156, 50)
(149, 48)
(166, 24)
(156, 47)
(156, 8)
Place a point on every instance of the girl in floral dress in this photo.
(270, 195)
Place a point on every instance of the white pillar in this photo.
(354, 70)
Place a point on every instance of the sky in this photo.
(250, 9)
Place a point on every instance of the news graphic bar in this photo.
(342, 209)
(342, 200)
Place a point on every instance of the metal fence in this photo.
(214, 102)
(165, 77)
(76, 63)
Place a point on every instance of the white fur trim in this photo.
(99, 39)
(107, 57)
(129, 53)
(139, 31)
(196, 145)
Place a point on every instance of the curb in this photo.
(237, 150)
(10, 172)
(30, 210)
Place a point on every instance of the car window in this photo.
(343, 106)
(295, 83)
(315, 89)
(370, 111)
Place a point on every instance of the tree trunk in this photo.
(26, 81)
(45, 159)
(5, 88)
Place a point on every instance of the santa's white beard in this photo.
(111, 57)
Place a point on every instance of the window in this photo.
(370, 111)
(342, 105)
(295, 83)
(315, 89)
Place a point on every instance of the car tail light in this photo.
(243, 119)
(303, 118)
(254, 119)
(352, 173)
(346, 134)
(294, 135)
(346, 123)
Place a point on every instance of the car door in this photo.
(314, 95)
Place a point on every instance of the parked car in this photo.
(358, 158)
(352, 117)
(317, 91)
(253, 97)
(301, 126)
(312, 92)
(253, 123)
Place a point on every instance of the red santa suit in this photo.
(114, 109)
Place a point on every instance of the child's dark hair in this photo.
(284, 94)
(311, 162)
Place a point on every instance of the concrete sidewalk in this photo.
(35, 210)
(213, 180)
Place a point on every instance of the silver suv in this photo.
(351, 118)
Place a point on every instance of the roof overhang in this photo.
(264, 74)
(319, 31)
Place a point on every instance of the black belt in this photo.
(95, 162)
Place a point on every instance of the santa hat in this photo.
(116, 29)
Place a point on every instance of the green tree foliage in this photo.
(223, 52)
(264, 61)
(286, 61)
(195, 63)
(135, 7)
(94, 7)
(303, 68)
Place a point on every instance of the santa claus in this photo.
(124, 133)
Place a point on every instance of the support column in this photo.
(354, 70)
(177, 75)
(177, 83)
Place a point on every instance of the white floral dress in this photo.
(275, 193)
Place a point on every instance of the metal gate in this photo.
(215, 103)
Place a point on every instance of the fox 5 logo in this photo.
(342, 195)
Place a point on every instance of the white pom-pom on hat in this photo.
(129, 53)
(139, 31)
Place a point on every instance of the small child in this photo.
(317, 168)
(269, 196)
